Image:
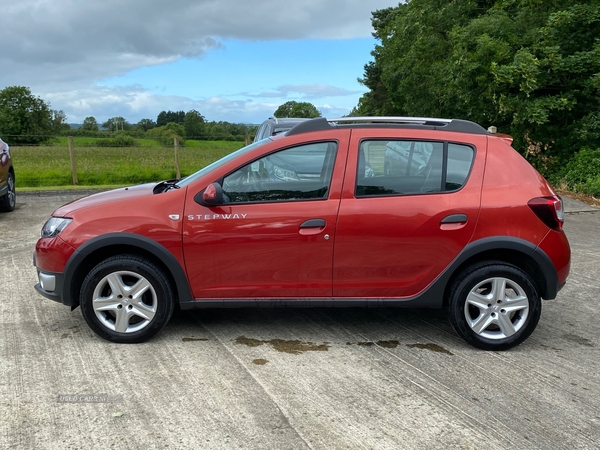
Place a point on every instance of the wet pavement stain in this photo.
(260, 361)
(189, 339)
(243, 340)
(578, 340)
(294, 347)
(384, 344)
(433, 347)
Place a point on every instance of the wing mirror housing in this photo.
(211, 196)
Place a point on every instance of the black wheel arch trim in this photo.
(548, 286)
(70, 298)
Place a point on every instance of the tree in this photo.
(90, 124)
(297, 109)
(25, 118)
(59, 121)
(194, 124)
(116, 123)
(164, 117)
(549, 92)
(146, 124)
(528, 67)
(167, 133)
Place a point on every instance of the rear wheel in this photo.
(494, 306)
(126, 299)
(9, 200)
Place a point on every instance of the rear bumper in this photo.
(556, 246)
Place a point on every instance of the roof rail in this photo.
(321, 123)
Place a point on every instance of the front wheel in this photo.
(9, 200)
(126, 299)
(494, 306)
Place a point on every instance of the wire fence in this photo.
(77, 162)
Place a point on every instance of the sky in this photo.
(231, 60)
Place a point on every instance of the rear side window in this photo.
(402, 167)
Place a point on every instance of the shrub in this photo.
(119, 139)
(165, 134)
(583, 172)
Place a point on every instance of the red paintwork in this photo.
(509, 183)
(133, 210)
(52, 254)
(263, 253)
(385, 247)
(394, 246)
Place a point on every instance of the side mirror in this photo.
(211, 196)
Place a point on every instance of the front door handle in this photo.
(312, 227)
(314, 223)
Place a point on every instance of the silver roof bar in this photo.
(392, 119)
(321, 123)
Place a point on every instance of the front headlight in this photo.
(54, 226)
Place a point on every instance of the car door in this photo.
(273, 236)
(399, 229)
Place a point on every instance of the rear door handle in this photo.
(453, 222)
(455, 218)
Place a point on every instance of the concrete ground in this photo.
(294, 379)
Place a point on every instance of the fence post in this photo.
(72, 156)
(176, 145)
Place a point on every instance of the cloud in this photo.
(135, 103)
(306, 91)
(61, 49)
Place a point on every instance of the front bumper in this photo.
(50, 285)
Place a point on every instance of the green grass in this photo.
(49, 166)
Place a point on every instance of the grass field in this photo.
(50, 166)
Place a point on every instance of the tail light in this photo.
(549, 210)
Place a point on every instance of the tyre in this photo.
(9, 200)
(494, 306)
(126, 299)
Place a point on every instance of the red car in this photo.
(296, 220)
(8, 198)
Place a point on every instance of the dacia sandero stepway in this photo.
(374, 211)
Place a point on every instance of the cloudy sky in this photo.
(232, 60)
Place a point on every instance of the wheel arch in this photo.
(101, 247)
(518, 252)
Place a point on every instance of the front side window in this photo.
(297, 173)
(402, 167)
